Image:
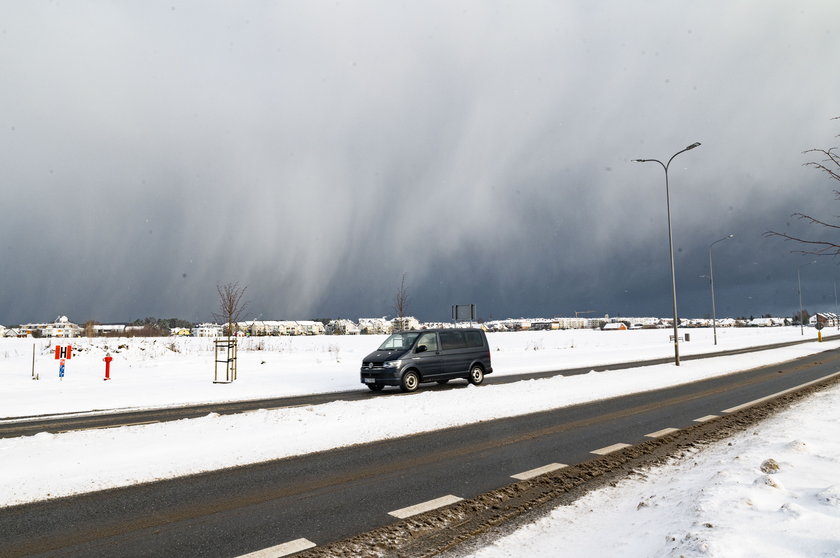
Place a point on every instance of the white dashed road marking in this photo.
(707, 418)
(663, 432)
(425, 506)
(610, 449)
(539, 471)
(281, 549)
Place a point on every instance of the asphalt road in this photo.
(331, 495)
(28, 426)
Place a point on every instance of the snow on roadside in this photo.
(46, 465)
(725, 500)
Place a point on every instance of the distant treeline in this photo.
(163, 323)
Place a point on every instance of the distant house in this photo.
(569, 323)
(12, 332)
(520, 325)
(259, 328)
(342, 327)
(766, 322)
(405, 323)
(517, 324)
(375, 326)
(641, 322)
(309, 327)
(61, 327)
(644, 321)
(207, 330)
(541, 324)
(614, 326)
(108, 329)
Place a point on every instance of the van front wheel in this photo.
(476, 375)
(410, 381)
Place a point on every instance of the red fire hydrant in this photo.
(108, 358)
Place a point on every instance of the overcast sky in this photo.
(318, 151)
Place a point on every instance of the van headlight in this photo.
(392, 364)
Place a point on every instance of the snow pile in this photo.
(726, 500)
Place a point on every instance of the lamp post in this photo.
(712, 281)
(799, 288)
(671, 243)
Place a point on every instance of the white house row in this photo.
(62, 327)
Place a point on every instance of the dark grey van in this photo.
(409, 358)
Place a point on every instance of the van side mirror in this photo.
(421, 349)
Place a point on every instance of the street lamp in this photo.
(712, 281)
(671, 242)
(836, 310)
(799, 288)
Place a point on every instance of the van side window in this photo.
(473, 339)
(452, 340)
(430, 340)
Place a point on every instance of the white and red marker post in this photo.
(62, 354)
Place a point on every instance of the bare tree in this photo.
(231, 305)
(401, 302)
(829, 163)
(89, 329)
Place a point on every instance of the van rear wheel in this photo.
(410, 381)
(476, 375)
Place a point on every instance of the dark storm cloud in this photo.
(317, 152)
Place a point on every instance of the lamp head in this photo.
(693, 145)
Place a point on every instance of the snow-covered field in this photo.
(722, 487)
(174, 371)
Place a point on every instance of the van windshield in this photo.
(399, 341)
